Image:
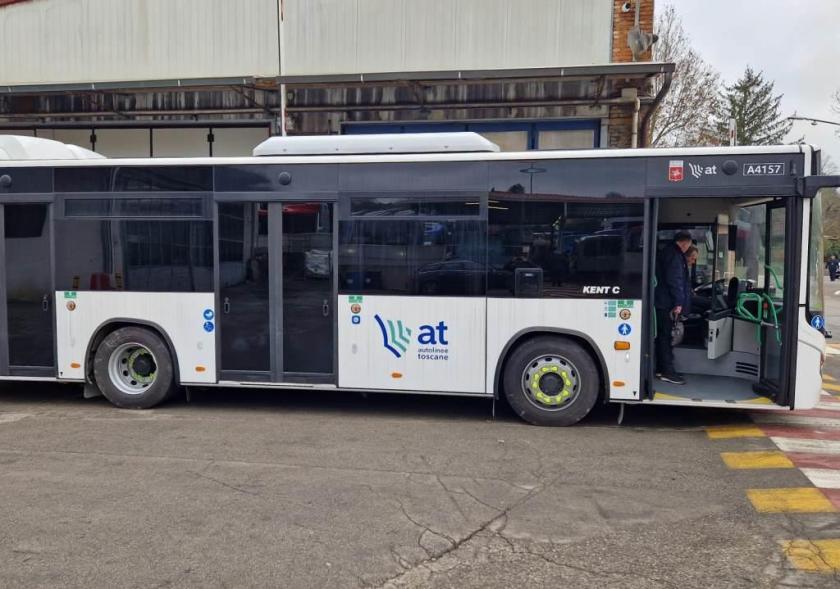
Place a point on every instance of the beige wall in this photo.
(366, 36)
(66, 41)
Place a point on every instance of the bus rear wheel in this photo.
(133, 368)
(551, 380)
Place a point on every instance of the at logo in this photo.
(396, 337)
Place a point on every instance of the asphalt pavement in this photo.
(247, 488)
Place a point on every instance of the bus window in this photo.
(573, 244)
(430, 257)
(146, 256)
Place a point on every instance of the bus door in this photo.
(27, 322)
(276, 291)
(765, 260)
(779, 309)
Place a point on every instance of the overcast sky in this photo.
(796, 43)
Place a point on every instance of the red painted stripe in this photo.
(833, 496)
(808, 433)
(811, 460)
(829, 413)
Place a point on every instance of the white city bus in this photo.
(412, 263)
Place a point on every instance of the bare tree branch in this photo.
(685, 115)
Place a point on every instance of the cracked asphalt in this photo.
(305, 489)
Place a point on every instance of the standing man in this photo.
(833, 267)
(671, 299)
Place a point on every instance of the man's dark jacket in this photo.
(672, 285)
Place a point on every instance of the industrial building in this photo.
(167, 78)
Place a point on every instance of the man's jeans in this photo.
(664, 352)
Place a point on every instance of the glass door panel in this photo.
(28, 284)
(308, 293)
(772, 359)
(244, 288)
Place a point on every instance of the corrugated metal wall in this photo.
(66, 41)
(365, 36)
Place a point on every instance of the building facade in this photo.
(166, 78)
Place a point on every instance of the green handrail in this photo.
(774, 275)
(759, 317)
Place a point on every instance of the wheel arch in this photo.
(109, 326)
(529, 333)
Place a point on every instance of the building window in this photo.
(509, 135)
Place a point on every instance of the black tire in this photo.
(160, 372)
(548, 352)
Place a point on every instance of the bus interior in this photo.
(731, 347)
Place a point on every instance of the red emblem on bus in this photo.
(675, 171)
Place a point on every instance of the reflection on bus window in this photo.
(145, 256)
(430, 257)
(570, 248)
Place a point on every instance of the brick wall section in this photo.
(623, 22)
(621, 117)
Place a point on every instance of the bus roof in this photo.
(66, 155)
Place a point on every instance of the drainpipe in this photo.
(666, 85)
(631, 96)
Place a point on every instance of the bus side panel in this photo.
(601, 322)
(809, 353)
(187, 319)
(423, 344)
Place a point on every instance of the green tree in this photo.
(756, 110)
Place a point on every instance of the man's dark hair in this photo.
(682, 236)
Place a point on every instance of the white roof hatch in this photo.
(375, 144)
(18, 147)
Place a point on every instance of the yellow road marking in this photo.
(815, 556)
(657, 396)
(790, 500)
(829, 378)
(722, 432)
(758, 401)
(766, 459)
(831, 387)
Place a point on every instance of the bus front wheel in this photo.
(551, 380)
(133, 368)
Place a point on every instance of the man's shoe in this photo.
(672, 378)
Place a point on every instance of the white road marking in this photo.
(776, 418)
(12, 417)
(809, 446)
(823, 478)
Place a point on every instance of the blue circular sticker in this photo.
(817, 322)
(209, 314)
(624, 329)
(208, 326)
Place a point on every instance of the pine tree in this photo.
(756, 110)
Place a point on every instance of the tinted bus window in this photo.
(406, 206)
(145, 256)
(428, 257)
(543, 246)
